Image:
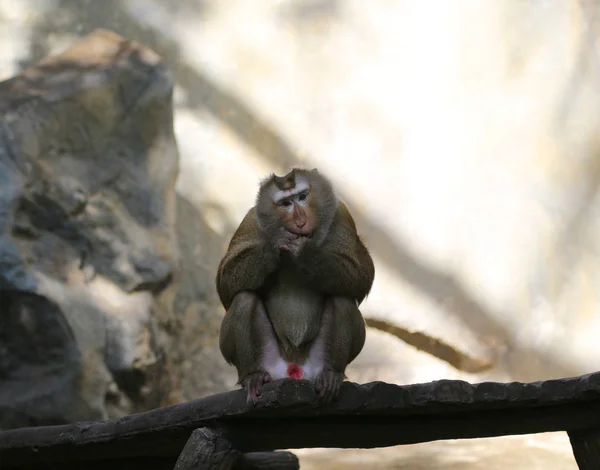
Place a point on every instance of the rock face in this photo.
(88, 163)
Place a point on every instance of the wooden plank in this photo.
(287, 417)
(373, 432)
(207, 450)
(586, 448)
(268, 461)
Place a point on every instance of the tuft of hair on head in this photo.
(286, 181)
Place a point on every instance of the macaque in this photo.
(293, 277)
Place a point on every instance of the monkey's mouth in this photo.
(301, 234)
(304, 235)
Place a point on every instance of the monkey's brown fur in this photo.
(308, 300)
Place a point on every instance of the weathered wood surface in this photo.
(586, 448)
(288, 417)
(279, 460)
(208, 449)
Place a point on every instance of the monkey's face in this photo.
(296, 208)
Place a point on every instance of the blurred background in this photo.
(461, 133)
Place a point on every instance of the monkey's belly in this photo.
(295, 315)
(295, 310)
(294, 352)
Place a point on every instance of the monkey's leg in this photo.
(340, 340)
(247, 340)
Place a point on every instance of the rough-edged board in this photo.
(287, 417)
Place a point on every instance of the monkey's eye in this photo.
(286, 203)
(302, 197)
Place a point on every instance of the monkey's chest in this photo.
(295, 310)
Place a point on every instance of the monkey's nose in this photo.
(300, 223)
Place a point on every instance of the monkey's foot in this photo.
(328, 384)
(253, 384)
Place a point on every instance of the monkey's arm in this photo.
(247, 263)
(342, 265)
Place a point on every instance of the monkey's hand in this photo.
(253, 384)
(290, 242)
(328, 384)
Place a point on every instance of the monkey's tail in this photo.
(434, 346)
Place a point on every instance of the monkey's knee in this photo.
(245, 302)
(237, 323)
(240, 314)
(348, 324)
(245, 323)
(345, 311)
(341, 303)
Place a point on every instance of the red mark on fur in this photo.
(294, 371)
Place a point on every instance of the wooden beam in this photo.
(586, 448)
(268, 461)
(287, 417)
(207, 450)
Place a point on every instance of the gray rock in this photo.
(88, 162)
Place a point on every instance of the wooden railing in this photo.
(232, 434)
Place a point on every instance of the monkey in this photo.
(291, 281)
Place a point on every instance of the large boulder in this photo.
(88, 163)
